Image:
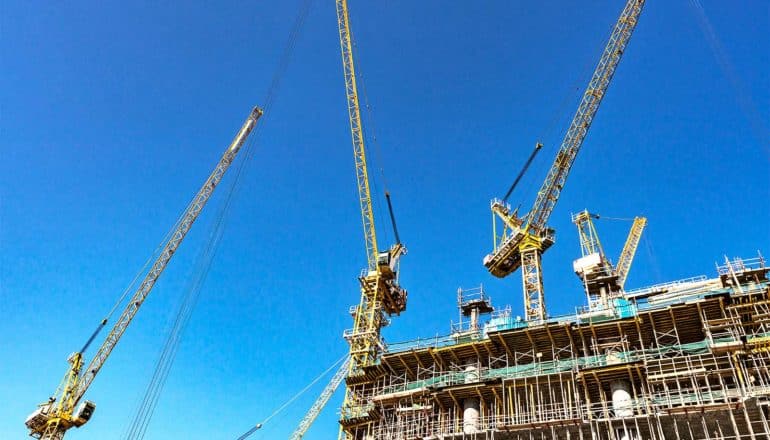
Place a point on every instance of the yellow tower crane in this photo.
(52, 419)
(524, 239)
(381, 294)
(603, 280)
(629, 250)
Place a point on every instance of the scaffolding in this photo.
(695, 365)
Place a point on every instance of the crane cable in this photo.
(620, 219)
(561, 115)
(145, 410)
(258, 426)
(131, 286)
(743, 96)
(142, 417)
(370, 129)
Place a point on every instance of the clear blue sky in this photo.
(113, 113)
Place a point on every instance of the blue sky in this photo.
(113, 114)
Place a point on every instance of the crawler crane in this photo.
(52, 419)
(525, 238)
(381, 294)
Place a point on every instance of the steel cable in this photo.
(140, 422)
(256, 427)
(370, 131)
(742, 95)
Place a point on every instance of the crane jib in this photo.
(557, 176)
(184, 225)
(525, 238)
(53, 418)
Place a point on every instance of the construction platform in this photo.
(682, 360)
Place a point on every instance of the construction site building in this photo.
(683, 360)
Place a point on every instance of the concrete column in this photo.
(471, 406)
(622, 402)
(471, 413)
(625, 433)
(474, 318)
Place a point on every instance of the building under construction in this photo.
(682, 360)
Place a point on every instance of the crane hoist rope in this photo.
(286, 55)
(370, 132)
(146, 408)
(52, 419)
(130, 287)
(525, 238)
(573, 93)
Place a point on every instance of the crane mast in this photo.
(381, 294)
(525, 238)
(53, 418)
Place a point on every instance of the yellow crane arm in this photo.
(528, 233)
(184, 225)
(629, 249)
(356, 130)
(549, 193)
(51, 422)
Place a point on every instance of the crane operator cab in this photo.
(394, 298)
(383, 260)
(387, 262)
